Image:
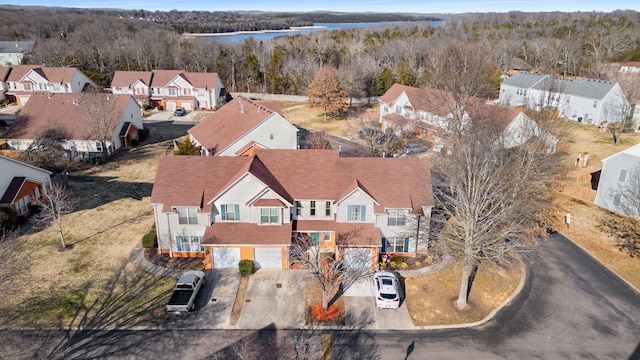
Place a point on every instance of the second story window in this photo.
(312, 208)
(27, 86)
(269, 216)
(356, 213)
(595, 103)
(172, 92)
(230, 212)
(42, 86)
(622, 176)
(298, 208)
(327, 208)
(187, 216)
(396, 218)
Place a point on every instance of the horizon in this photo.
(401, 6)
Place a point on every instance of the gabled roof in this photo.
(202, 80)
(14, 47)
(4, 71)
(582, 87)
(428, 100)
(162, 78)
(64, 111)
(238, 233)
(236, 118)
(8, 159)
(55, 75)
(129, 78)
(300, 174)
(631, 64)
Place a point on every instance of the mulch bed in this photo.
(336, 316)
(175, 263)
(410, 263)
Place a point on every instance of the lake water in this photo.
(268, 35)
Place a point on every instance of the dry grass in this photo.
(94, 283)
(431, 299)
(312, 118)
(585, 217)
(236, 310)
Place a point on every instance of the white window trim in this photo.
(190, 216)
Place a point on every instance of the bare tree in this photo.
(325, 92)
(100, 114)
(330, 267)
(54, 204)
(317, 140)
(493, 197)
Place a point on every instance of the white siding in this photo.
(358, 197)
(274, 133)
(240, 193)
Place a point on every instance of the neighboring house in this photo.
(65, 114)
(241, 126)
(4, 72)
(428, 112)
(619, 184)
(12, 52)
(254, 207)
(514, 65)
(582, 100)
(135, 83)
(630, 67)
(21, 184)
(25, 80)
(171, 88)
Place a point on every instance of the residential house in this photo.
(21, 184)
(66, 115)
(134, 83)
(12, 52)
(255, 207)
(582, 100)
(630, 67)
(429, 112)
(4, 72)
(619, 183)
(241, 126)
(25, 80)
(171, 88)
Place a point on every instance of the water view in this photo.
(270, 34)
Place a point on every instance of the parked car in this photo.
(180, 111)
(414, 149)
(387, 288)
(185, 292)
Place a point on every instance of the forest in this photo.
(368, 61)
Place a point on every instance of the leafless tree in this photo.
(325, 92)
(317, 140)
(54, 204)
(100, 114)
(493, 198)
(330, 267)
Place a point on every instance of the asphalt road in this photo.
(571, 307)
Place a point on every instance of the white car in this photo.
(387, 288)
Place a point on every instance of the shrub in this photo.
(143, 134)
(160, 107)
(134, 142)
(148, 107)
(392, 264)
(35, 209)
(383, 265)
(149, 240)
(246, 267)
(404, 265)
(428, 260)
(418, 263)
(398, 259)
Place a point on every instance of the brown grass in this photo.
(431, 299)
(311, 118)
(76, 287)
(585, 216)
(236, 310)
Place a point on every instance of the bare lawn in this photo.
(93, 283)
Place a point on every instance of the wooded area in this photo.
(368, 61)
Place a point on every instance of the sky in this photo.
(418, 6)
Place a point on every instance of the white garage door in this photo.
(357, 258)
(225, 257)
(171, 106)
(187, 106)
(268, 258)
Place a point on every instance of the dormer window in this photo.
(230, 212)
(396, 217)
(187, 216)
(269, 216)
(356, 212)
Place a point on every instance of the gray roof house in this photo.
(583, 100)
(619, 185)
(12, 52)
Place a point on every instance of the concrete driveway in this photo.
(362, 312)
(274, 298)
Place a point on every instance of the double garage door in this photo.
(266, 258)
